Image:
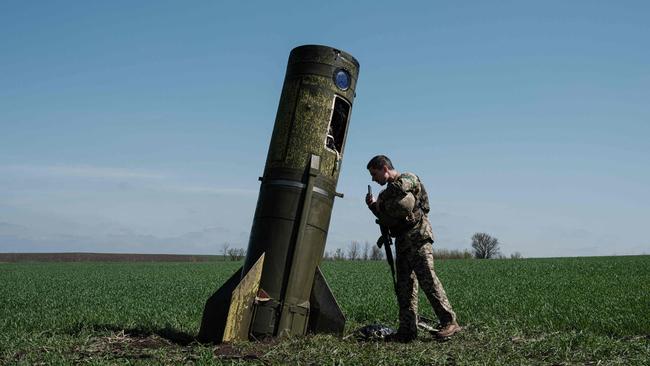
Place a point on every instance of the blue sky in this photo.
(143, 126)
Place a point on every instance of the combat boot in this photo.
(400, 337)
(448, 330)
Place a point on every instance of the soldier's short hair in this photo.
(379, 162)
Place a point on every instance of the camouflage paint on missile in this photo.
(296, 198)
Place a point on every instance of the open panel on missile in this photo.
(338, 125)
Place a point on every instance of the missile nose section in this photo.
(294, 206)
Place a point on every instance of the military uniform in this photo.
(403, 207)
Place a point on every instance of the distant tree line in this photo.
(484, 246)
(104, 257)
(371, 252)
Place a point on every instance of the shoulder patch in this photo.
(407, 182)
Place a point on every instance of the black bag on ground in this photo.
(373, 332)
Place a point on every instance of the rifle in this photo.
(386, 241)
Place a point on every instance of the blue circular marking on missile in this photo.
(342, 79)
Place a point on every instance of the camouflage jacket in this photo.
(404, 221)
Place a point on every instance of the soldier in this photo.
(403, 207)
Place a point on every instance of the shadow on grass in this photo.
(172, 335)
(137, 343)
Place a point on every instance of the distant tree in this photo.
(326, 256)
(224, 250)
(339, 255)
(516, 255)
(236, 254)
(353, 251)
(443, 253)
(376, 254)
(485, 246)
(366, 250)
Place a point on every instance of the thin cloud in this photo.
(214, 190)
(121, 174)
(80, 171)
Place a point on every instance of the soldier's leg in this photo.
(431, 285)
(407, 295)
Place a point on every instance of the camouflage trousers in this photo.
(415, 265)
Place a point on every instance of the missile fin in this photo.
(325, 315)
(241, 304)
(216, 310)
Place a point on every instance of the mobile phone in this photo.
(369, 190)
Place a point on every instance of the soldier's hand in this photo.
(369, 200)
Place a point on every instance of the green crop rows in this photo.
(533, 311)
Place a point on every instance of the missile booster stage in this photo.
(280, 290)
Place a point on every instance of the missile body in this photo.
(293, 210)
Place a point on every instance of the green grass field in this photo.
(532, 311)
